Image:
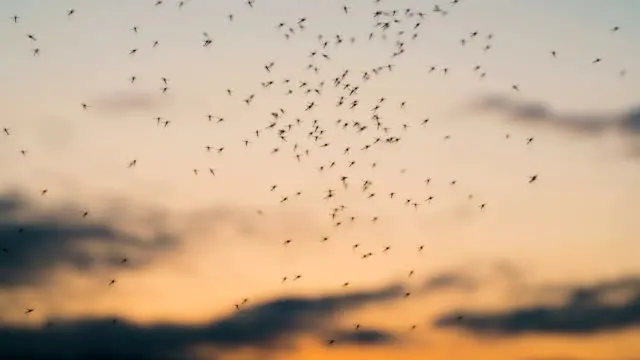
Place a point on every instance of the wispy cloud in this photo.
(120, 103)
(589, 122)
(450, 281)
(471, 277)
(606, 306)
(267, 326)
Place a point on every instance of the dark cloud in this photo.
(35, 241)
(362, 337)
(592, 123)
(589, 309)
(9, 204)
(267, 326)
(631, 122)
(127, 102)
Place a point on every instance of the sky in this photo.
(467, 258)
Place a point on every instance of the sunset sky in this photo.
(546, 270)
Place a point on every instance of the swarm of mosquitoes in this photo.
(401, 25)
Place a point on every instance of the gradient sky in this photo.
(547, 270)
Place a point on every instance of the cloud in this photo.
(127, 102)
(362, 337)
(589, 123)
(8, 204)
(450, 281)
(471, 277)
(631, 122)
(35, 242)
(607, 306)
(266, 326)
